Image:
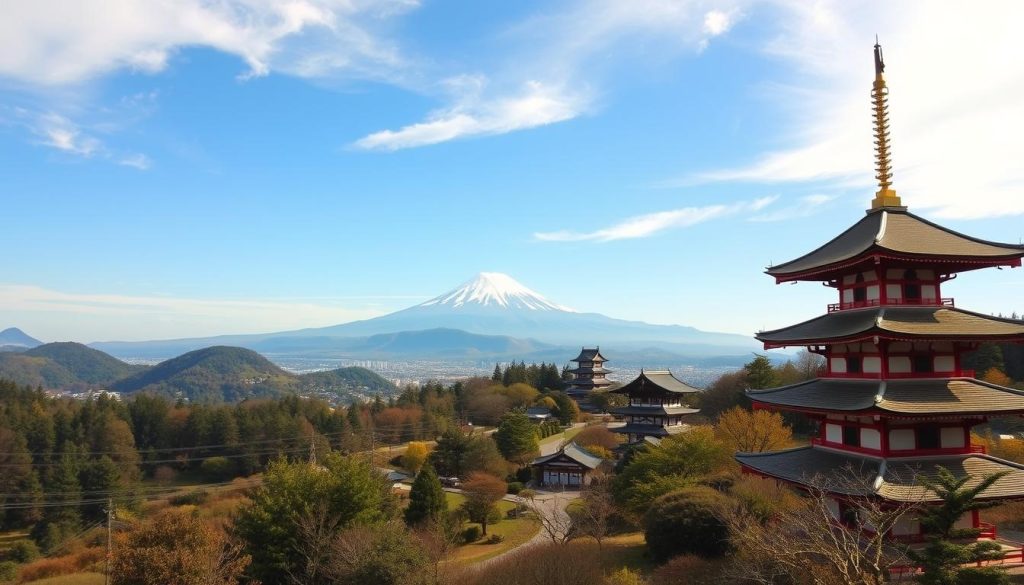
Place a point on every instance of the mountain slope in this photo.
(491, 304)
(213, 374)
(345, 381)
(14, 339)
(56, 366)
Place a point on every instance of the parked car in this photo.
(452, 482)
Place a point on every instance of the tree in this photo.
(753, 431)
(942, 559)
(678, 462)
(176, 548)
(597, 435)
(482, 492)
(496, 376)
(60, 522)
(997, 377)
(801, 542)
(449, 452)
(98, 476)
(724, 393)
(415, 455)
(687, 521)
(482, 454)
(383, 555)
(351, 491)
(517, 438)
(593, 516)
(427, 501)
(567, 410)
(760, 373)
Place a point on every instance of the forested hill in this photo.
(343, 380)
(64, 366)
(213, 374)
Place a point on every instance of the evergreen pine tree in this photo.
(496, 376)
(60, 521)
(427, 501)
(942, 560)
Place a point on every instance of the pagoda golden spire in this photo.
(886, 196)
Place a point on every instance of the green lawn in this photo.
(563, 436)
(514, 532)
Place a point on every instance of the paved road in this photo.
(550, 504)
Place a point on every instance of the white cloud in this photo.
(55, 42)
(536, 105)
(138, 161)
(112, 316)
(558, 58)
(804, 207)
(60, 133)
(647, 225)
(955, 83)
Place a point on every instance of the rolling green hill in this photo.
(344, 381)
(64, 366)
(213, 374)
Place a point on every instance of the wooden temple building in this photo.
(656, 406)
(894, 401)
(588, 375)
(570, 466)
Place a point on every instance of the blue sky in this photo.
(186, 168)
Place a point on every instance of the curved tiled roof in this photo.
(892, 479)
(902, 322)
(898, 233)
(589, 355)
(653, 410)
(655, 382)
(574, 452)
(903, 396)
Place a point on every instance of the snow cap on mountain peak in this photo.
(498, 290)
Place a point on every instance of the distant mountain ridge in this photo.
(492, 305)
(212, 374)
(14, 339)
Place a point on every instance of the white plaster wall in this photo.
(965, 521)
(848, 295)
(873, 292)
(894, 291)
(833, 433)
(901, 439)
(872, 365)
(944, 363)
(899, 365)
(951, 437)
(928, 292)
(906, 525)
(870, 439)
(839, 365)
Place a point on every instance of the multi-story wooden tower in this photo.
(656, 406)
(894, 401)
(589, 375)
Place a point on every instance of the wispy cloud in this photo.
(50, 42)
(805, 207)
(643, 226)
(955, 106)
(58, 132)
(559, 59)
(136, 317)
(536, 105)
(137, 161)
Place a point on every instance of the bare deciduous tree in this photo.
(593, 517)
(808, 545)
(555, 522)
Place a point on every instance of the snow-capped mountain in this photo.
(494, 289)
(475, 314)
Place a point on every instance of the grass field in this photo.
(514, 532)
(563, 436)
(75, 579)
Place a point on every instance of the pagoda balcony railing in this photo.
(900, 375)
(972, 448)
(889, 301)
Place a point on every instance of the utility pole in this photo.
(106, 561)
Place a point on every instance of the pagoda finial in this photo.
(886, 196)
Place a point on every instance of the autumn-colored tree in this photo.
(598, 435)
(997, 377)
(482, 492)
(176, 548)
(753, 431)
(415, 455)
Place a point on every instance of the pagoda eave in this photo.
(942, 263)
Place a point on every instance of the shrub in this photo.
(494, 516)
(524, 474)
(190, 498)
(471, 534)
(218, 469)
(43, 568)
(689, 570)
(982, 576)
(624, 577)
(8, 571)
(514, 487)
(23, 551)
(686, 521)
(494, 539)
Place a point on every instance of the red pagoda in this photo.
(894, 401)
